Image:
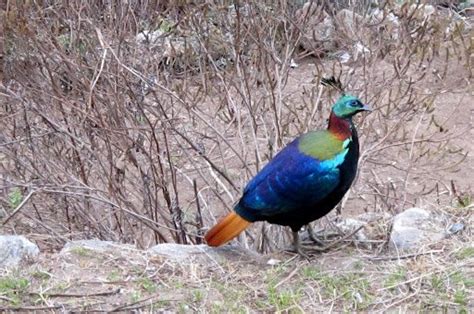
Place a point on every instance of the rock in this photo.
(168, 46)
(385, 22)
(293, 64)
(14, 249)
(376, 217)
(95, 246)
(456, 228)
(347, 22)
(343, 56)
(349, 225)
(166, 251)
(360, 51)
(273, 262)
(467, 8)
(378, 16)
(149, 37)
(181, 47)
(319, 30)
(203, 253)
(350, 30)
(413, 228)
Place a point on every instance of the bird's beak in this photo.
(366, 108)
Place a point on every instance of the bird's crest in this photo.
(334, 83)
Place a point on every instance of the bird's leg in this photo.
(313, 237)
(297, 245)
(296, 241)
(301, 249)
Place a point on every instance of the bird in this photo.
(303, 182)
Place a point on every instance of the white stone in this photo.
(349, 225)
(94, 245)
(318, 34)
(273, 262)
(14, 249)
(414, 228)
(146, 37)
(202, 253)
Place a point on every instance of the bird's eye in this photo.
(355, 103)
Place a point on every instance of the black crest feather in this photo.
(334, 83)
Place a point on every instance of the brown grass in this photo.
(349, 277)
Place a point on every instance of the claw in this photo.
(314, 238)
(304, 251)
(296, 247)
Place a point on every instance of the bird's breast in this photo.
(336, 161)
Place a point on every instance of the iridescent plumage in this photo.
(306, 179)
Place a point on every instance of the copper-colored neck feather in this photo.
(340, 127)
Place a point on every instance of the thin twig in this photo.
(19, 207)
(290, 275)
(30, 308)
(334, 243)
(393, 258)
(78, 295)
(138, 304)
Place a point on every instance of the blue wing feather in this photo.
(289, 181)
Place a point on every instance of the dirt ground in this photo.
(348, 277)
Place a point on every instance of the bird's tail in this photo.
(227, 229)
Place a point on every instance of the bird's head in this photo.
(347, 106)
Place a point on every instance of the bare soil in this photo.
(348, 277)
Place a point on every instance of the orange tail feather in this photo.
(227, 229)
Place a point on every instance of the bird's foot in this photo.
(315, 239)
(305, 251)
(300, 253)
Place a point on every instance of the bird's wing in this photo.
(291, 180)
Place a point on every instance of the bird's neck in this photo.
(340, 127)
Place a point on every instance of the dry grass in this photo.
(347, 278)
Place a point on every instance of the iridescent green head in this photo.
(347, 106)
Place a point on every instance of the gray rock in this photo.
(349, 225)
(318, 35)
(467, 7)
(413, 228)
(167, 251)
(348, 22)
(95, 245)
(370, 217)
(14, 249)
(149, 37)
(203, 253)
(456, 227)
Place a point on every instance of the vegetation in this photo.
(140, 122)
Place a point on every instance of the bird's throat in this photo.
(340, 127)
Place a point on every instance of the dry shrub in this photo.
(141, 122)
